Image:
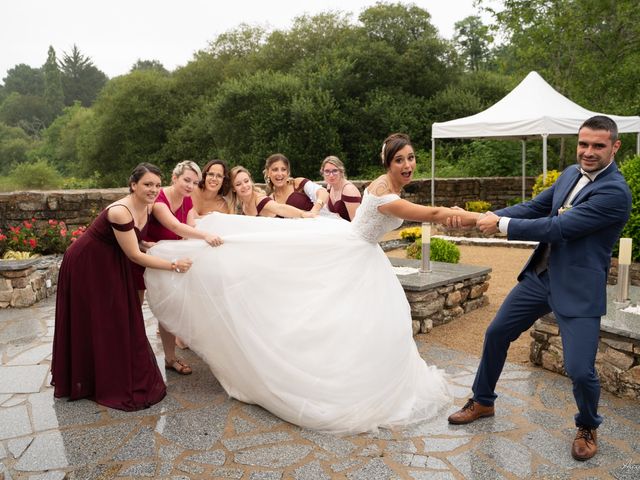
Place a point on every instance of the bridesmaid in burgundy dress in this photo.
(344, 196)
(173, 217)
(298, 192)
(254, 202)
(100, 348)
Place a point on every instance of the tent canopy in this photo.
(532, 109)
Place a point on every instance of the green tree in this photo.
(131, 120)
(14, 145)
(473, 42)
(149, 65)
(60, 140)
(81, 80)
(256, 116)
(53, 93)
(587, 49)
(28, 112)
(24, 80)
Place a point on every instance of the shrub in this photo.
(540, 185)
(479, 206)
(631, 171)
(48, 237)
(441, 251)
(514, 201)
(21, 238)
(39, 175)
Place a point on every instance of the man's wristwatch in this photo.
(498, 223)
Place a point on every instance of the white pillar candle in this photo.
(624, 256)
(426, 232)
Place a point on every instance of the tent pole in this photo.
(524, 160)
(433, 172)
(638, 144)
(544, 156)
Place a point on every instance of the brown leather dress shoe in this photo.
(471, 411)
(585, 445)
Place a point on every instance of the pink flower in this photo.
(63, 232)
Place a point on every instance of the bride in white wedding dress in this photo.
(306, 317)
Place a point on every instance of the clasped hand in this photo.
(487, 223)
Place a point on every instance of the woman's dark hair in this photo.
(226, 182)
(138, 172)
(392, 144)
(276, 157)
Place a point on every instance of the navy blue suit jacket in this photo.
(581, 238)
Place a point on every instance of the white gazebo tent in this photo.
(533, 109)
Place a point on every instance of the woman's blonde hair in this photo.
(233, 173)
(186, 165)
(337, 162)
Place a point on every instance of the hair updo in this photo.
(138, 172)
(392, 145)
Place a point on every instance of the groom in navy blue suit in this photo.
(577, 222)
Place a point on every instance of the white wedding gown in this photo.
(304, 317)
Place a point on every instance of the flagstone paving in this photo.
(198, 432)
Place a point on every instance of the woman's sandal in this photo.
(178, 366)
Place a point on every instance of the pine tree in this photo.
(53, 94)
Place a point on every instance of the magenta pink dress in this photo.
(100, 348)
(156, 232)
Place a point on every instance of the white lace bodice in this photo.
(369, 223)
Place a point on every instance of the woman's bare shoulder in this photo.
(380, 186)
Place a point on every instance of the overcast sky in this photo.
(116, 33)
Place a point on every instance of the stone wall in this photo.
(24, 282)
(439, 305)
(80, 207)
(446, 292)
(617, 360)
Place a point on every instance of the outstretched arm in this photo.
(168, 220)
(420, 213)
(283, 210)
(128, 242)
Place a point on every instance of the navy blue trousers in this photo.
(528, 301)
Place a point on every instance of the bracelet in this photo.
(174, 265)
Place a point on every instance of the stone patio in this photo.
(198, 432)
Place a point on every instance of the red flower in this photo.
(63, 232)
(53, 222)
(15, 229)
(33, 242)
(2, 237)
(27, 224)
